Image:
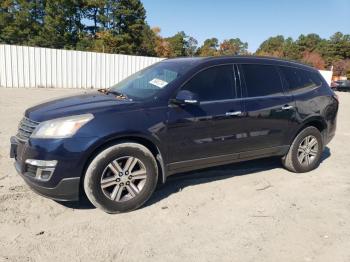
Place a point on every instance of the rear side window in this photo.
(261, 80)
(215, 83)
(298, 79)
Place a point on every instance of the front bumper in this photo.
(66, 190)
(71, 155)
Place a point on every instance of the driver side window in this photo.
(215, 83)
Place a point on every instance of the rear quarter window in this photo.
(300, 80)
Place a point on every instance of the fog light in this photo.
(45, 174)
(40, 169)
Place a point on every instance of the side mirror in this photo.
(185, 97)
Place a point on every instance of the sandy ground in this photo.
(255, 211)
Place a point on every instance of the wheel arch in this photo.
(316, 121)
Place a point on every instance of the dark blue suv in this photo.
(178, 115)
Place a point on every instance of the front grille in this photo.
(25, 129)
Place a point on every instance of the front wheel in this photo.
(121, 178)
(305, 152)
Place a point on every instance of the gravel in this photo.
(253, 211)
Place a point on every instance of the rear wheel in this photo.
(305, 152)
(121, 178)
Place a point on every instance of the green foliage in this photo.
(273, 46)
(190, 46)
(148, 45)
(20, 21)
(119, 26)
(233, 47)
(209, 48)
(310, 42)
(116, 26)
(127, 24)
(338, 46)
(61, 26)
(95, 12)
(311, 49)
(177, 44)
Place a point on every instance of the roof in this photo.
(240, 59)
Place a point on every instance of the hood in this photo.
(93, 102)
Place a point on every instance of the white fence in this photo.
(23, 66)
(327, 75)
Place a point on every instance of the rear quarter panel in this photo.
(317, 104)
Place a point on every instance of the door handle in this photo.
(287, 107)
(235, 113)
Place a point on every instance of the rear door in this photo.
(268, 109)
(304, 85)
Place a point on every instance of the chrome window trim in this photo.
(242, 87)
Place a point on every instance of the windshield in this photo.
(149, 82)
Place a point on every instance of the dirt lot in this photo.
(254, 211)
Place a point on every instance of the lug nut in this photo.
(127, 183)
(127, 173)
(118, 179)
(120, 174)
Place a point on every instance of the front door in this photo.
(206, 133)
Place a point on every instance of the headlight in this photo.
(61, 127)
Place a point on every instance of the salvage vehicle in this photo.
(116, 144)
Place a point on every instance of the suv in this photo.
(342, 85)
(178, 115)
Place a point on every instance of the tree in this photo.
(95, 12)
(209, 48)
(339, 46)
(191, 45)
(20, 21)
(342, 68)
(233, 47)
(119, 26)
(162, 47)
(314, 59)
(290, 49)
(127, 24)
(62, 24)
(309, 43)
(148, 46)
(177, 44)
(273, 46)
(181, 45)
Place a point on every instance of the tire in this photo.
(296, 159)
(101, 183)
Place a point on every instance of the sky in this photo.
(252, 21)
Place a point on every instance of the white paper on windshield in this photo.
(158, 82)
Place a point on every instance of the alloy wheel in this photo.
(308, 150)
(123, 178)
